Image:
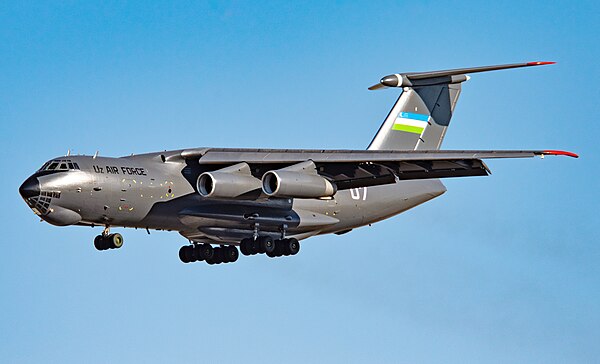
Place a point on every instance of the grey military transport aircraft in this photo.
(266, 200)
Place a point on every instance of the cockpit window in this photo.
(59, 165)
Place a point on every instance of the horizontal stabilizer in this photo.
(415, 79)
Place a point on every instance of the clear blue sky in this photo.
(500, 269)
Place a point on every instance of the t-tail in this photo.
(421, 115)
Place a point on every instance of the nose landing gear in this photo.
(110, 241)
(107, 240)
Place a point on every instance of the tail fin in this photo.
(422, 113)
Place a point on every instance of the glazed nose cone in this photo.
(30, 188)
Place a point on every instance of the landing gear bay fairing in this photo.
(265, 201)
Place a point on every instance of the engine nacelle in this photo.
(228, 182)
(300, 180)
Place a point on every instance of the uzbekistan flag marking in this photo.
(411, 122)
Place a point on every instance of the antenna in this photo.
(95, 155)
(68, 152)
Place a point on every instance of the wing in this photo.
(361, 168)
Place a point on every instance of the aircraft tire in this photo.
(232, 254)
(245, 246)
(267, 244)
(115, 241)
(220, 255)
(284, 248)
(254, 247)
(260, 249)
(188, 252)
(293, 246)
(279, 248)
(183, 254)
(217, 257)
(99, 242)
(198, 253)
(206, 251)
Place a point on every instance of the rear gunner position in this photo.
(265, 201)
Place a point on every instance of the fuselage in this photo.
(147, 191)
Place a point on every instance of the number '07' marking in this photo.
(355, 193)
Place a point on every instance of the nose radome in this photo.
(30, 188)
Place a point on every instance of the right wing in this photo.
(361, 168)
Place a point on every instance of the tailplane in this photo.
(421, 115)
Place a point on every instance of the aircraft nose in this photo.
(30, 188)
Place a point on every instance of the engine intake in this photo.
(300, 180)
(228, 182)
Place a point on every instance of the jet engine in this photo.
(228, 182)
(300, 180)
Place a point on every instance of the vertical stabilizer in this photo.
(421, 115)
(419, 118)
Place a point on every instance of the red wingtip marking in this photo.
(560, 152)
(539, 63)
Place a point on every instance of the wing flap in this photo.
(348, 175)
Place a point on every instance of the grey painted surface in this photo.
(350, 188)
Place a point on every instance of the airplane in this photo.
(265, 201)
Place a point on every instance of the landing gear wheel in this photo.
(115, 241)
(284, 247)
(280, 248)
(206, 251)
(246, 246)
(198, 252)
(266, 244)
(231, 254)
(219, 256)
(112, 241)
(99, 242)
(292, 246)
(189, 254)
(255, 247)
(183, 254)
(276, 252)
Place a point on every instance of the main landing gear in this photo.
(200, 252)
(108, 241)
(273, 248)
(229, 254)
